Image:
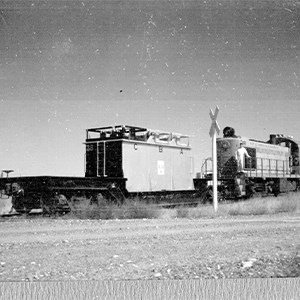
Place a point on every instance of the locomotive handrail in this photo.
(265, 167)
(269, 167)
(204, 164)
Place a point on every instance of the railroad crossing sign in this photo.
(214, 125)
(214, 130)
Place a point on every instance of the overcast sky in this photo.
(69, 65)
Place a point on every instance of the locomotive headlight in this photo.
(225, 145)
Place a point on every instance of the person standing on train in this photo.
(240, 157)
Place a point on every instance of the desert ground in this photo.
(58, 249)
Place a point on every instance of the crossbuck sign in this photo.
(214, 130)
(214, 125)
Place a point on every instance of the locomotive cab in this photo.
(226, 156)
(227, 148)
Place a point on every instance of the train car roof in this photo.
(281, 138)
(116, 127)
(136, 133)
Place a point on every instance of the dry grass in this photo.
(266, 206)
(136, 209)
(133, 209)
(255, 206)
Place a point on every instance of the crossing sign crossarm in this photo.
(214, 126)
(214, 116)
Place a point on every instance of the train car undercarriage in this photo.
(59, 194)
(244, 187)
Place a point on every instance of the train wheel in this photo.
(250, 191)
(62, 204)
(98, 199)
(206, 195)
(17, 205)
(55, 204)
(25, 203)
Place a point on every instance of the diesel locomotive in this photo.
(271, 168)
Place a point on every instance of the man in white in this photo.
(240, 157)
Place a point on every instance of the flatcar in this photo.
(120, 161)
(271, 168)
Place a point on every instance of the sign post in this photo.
(214, 130)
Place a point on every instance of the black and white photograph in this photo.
(150, 141)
